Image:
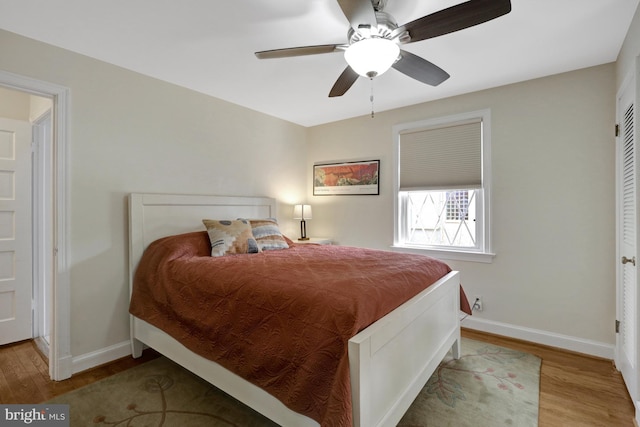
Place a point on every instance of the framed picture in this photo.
(350, 178)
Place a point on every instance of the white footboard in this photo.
(391, 360)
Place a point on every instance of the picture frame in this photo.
(347, 178)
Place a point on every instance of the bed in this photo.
(389, 361)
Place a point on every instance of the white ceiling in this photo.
(209, 46)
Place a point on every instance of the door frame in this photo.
(60, 360)
(41, 205)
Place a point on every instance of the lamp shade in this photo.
(302, 212)
(372, 57)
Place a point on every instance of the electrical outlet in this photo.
(477, 304)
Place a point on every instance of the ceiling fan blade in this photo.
(299, 51)
(420, 69)
(344, 82)
(454, 18)
(359, 13)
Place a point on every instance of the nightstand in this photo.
(316, 240)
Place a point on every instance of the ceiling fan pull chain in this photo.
(371, 98)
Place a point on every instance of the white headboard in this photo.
(152, 216)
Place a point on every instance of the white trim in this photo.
(453, 254)
(566, 342)
(100, 357)
(60, 349)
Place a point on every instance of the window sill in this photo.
(483, 257)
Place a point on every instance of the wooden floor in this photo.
(575, 390)
(24, 374)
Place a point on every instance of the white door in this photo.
(42, 203)
(627, 235)
(15, 231)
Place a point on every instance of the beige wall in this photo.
(553, 198)
(630, 50)
(130, 133)
(38, 105)
(19, 105)
(14, 105)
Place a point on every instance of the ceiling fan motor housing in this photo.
(386, 25)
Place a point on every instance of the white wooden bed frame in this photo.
(389, 362)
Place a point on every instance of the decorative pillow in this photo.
(267, 234)
(230, 237)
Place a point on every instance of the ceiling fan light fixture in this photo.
(371, 57)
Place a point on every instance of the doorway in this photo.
(25, 153)
(50, 213)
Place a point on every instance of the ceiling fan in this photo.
(374, 38)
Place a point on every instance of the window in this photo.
(441, 218)
(457, 205)
(442, 185)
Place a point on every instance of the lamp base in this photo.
(303, 230)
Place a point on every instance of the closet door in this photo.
(627, 239)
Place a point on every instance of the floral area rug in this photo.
(488, 386)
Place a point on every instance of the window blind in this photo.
(447, 157)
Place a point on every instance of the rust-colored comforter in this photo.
(281, 319)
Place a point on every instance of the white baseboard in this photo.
(579, 345)
(64, 369)
(100, 357)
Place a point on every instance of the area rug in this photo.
(488, 386)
